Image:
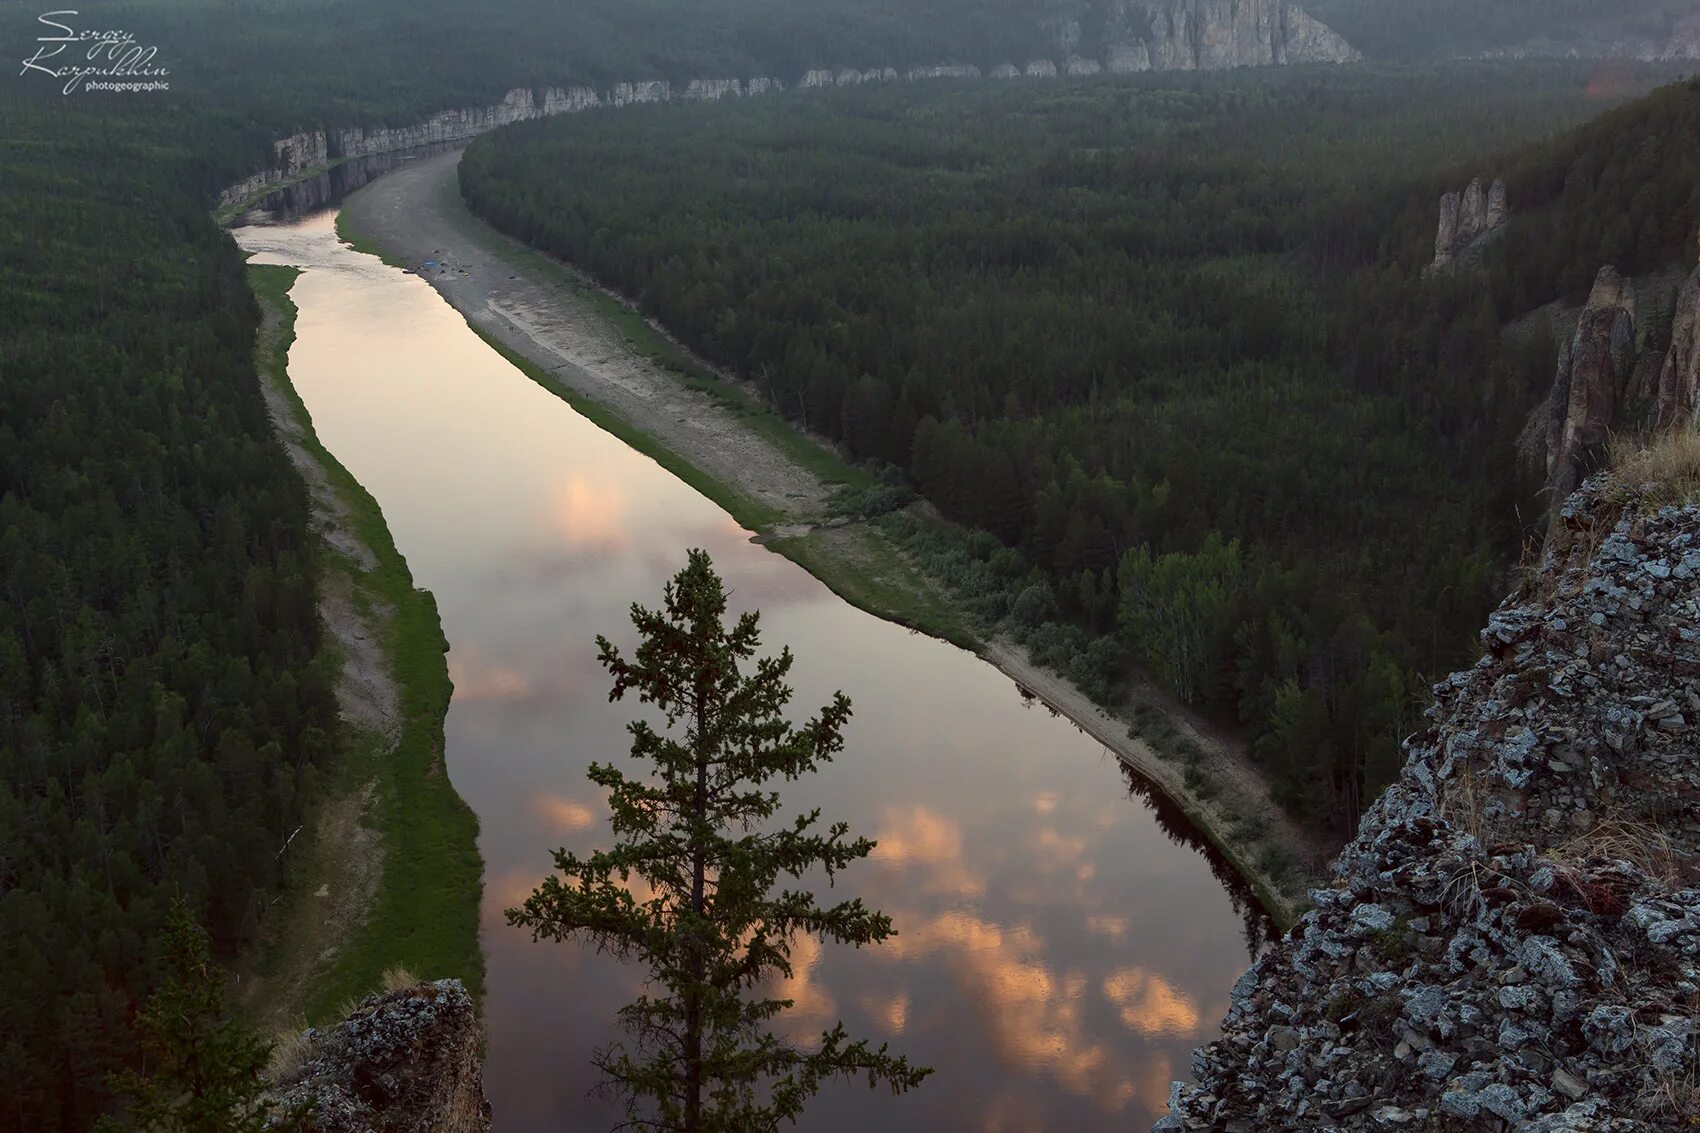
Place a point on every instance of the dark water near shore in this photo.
(292, 202)
(1063, 944)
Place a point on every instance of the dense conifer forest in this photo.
(1168, 340)
(167, 707)
(163, 704)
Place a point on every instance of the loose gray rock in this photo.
(407, 1061)
(1512, 941)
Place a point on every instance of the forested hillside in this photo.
(1167, 340)
(163, 706)
(1622, 190)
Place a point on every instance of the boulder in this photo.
(407, 1061)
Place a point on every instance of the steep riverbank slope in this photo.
(387, 873)
(770, 477)
(1513, 939)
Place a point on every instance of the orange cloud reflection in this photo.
(564, 815)
(1036, 1017)
(587, 516)
(916, 837)
(475, 680)
(1150, 1004)
(812, 1007)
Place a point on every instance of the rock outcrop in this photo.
(1512, 941)
(1679, 377)
(1469, 222)
(1208, 35)
(1609, 385)
(407, 1061)
(1594, 381)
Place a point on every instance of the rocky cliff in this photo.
(1207, 35)
(1679, 377)
(1193, 35)
(1512, 942)
(1136, 35)
(407, 1061)
(1469, 222)
(1610, 384)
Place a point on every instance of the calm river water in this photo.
(1063, 945)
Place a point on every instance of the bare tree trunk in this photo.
(693, 998)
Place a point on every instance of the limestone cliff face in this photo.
(1512, 942)
(308, 152)
(1137, 35)
(1594, 372)
(1608, 384)
(407, 1061)
(459, 125)
(1205, 35)
(1469, 222)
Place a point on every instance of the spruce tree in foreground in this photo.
(706, 920)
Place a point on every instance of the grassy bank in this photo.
(424, 912)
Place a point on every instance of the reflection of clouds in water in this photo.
(507, 891)
(1059, 868)
(1037, 1018)
(1102, 924)
(1010, 1111)
(914, 837)
(1150, 1005)
(588, 518)
(1056, 852)
(891, 1010)
(813, 1008)
(564, 815)
(478, 680)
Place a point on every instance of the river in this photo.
(1064, 940)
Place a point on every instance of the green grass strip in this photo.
(425, 917)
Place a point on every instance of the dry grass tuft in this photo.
(1642, 845)
(1664, 470)
(1671, 1096)
(396, 977)
(289, 1054)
